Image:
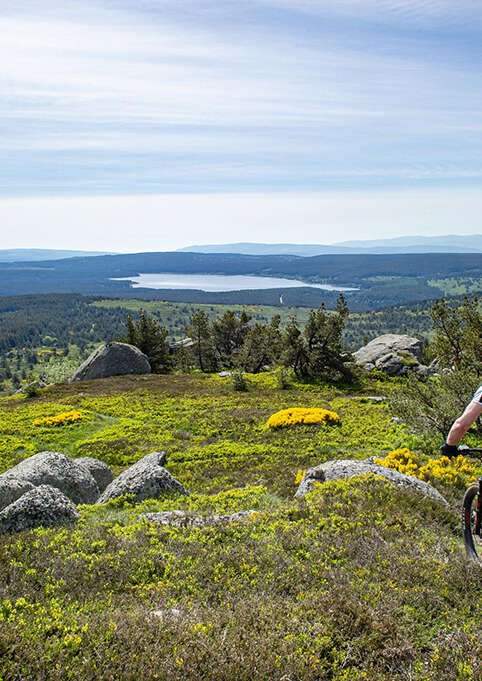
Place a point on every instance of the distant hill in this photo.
(405, 244)
(33, 254)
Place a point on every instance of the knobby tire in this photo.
(468, 510)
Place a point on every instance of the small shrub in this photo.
(238, 382)
(32, 390)
(299, 475)
(60, 420)
(300, 415)
(282, 379)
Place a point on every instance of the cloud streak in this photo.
(206, 96)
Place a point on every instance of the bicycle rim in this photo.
(472, 543)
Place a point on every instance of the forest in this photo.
(383, 280)
(38, 331)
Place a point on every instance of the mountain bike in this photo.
(472, 512)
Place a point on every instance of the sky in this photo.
(154, 124)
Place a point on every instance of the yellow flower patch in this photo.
(301, 415)
(299, 475)
(458, 472)
(402, 460)
(60, 420)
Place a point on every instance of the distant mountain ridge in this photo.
(451, 243)
(33, 254)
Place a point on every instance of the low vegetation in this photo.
(359, 580)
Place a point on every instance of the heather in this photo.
(359, 580)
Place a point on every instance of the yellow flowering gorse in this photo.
(299, 475)
(301, 415)
(59, 420)
(458, 472)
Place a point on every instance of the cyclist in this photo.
(462, 424)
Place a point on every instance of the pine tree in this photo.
(151, 339)
(199, 330)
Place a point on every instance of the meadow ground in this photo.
(359, 580)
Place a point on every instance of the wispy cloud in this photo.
(217, 95)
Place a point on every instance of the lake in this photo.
(219, 282)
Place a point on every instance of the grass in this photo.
(360, 580)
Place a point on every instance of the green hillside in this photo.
(359, 581)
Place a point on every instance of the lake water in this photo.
(219, 282)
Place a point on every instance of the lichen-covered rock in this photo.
(57, 470)
(398, 344)
(99, 470)
(42, 506)
(187, 519)
(11, 489)
(113, 359)
(146, 479)
(347, 468)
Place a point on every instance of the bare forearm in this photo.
(457, 432)
(463, 423)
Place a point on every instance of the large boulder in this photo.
(113, 359)
(389, 344)
(42, 506)
(11, 489)
(99, 470)
(146, 479)
(60, 471)
(347, 468)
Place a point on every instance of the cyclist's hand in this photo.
(449, 450)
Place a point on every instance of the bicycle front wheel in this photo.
(471, 540)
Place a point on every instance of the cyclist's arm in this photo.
(463, 423)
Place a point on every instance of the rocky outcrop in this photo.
(60, 471)
(146, 479)
(187, 519)
(11, 489)
(99, 470)
(42, 506)
(341, 468)
(389, 342)
(391, 353)
(113, 359)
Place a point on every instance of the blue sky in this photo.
(193, 120)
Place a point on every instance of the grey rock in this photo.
(57, 470)
(43, 506)
(187, 519)
(224, 374)
(12, 489)
(347, 468)
(146, 479)
(99, 470)
(422, 371)
(369, 366)
(169, 614)
(113, 359)
(391, 364)
(35, 385)
(395, 419)
(389, 342)
(183, 343)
